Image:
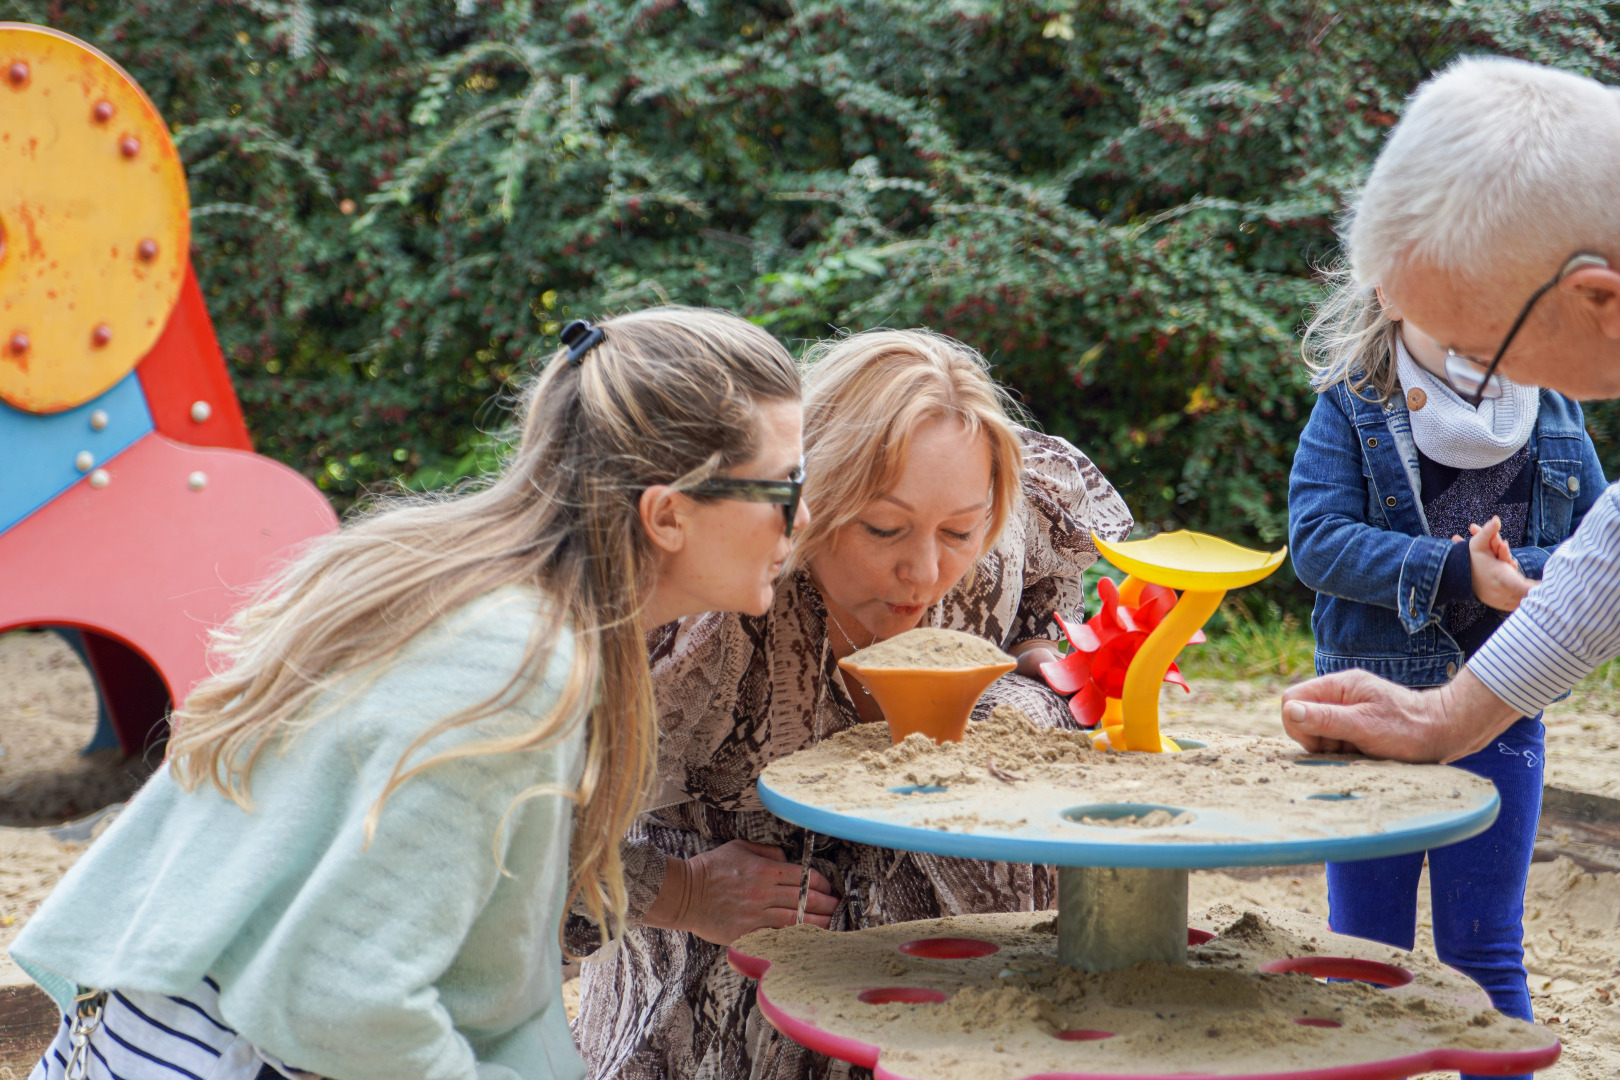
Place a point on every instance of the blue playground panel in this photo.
(37, 451)
(1058, 841)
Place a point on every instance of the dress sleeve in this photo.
(1066, 498)
(697, 665)
(1044, 706)
(644, 866)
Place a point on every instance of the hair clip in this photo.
(580, 337)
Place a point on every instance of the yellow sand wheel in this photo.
(94, 221)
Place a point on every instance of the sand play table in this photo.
(1120, 983)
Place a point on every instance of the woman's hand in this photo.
(1495, 572)
(1032, 654)
(738, 887)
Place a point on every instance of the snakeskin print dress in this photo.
(737, 692)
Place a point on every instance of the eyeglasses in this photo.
(1463, 371)
(784, 493)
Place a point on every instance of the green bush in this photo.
(396, 204)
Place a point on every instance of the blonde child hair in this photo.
(1350, 339)
(867, 394)
(670, 396)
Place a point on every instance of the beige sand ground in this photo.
(47, 714)
(1572, 928)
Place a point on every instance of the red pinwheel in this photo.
(1102, 648)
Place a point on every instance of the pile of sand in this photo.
(927, 647)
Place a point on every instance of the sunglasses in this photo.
(785, 493)
(1463, 372)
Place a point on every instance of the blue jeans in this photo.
(1477, 886)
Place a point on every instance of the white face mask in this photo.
(1451, 432)
(1462, 374)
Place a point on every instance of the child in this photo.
(1419, 522)
(356, 859)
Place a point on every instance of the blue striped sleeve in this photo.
(1568, 625)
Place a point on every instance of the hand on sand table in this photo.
(738, 887)
(1352, 711)
(1499, 547)
(1032, 654)
(1495, 572)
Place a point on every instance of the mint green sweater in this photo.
(412, 959)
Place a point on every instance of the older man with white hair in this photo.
(1492, 220)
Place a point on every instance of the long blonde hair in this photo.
(867, 394)
(668, 397)
(1350, 340)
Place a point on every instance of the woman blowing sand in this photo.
(931, 509)
(356, 859)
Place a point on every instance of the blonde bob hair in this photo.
(865, 397)
(668, 397)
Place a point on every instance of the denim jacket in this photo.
(1358, 535)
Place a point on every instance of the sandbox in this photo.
(1120, 983)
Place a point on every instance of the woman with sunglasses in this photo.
(356, 860)
(1427, 494)
(932, 508)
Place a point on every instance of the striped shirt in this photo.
(1568, 625)
(147, 1036)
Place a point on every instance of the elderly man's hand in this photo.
(1352, 711)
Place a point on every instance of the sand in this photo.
(927, 647)
(47, 715)
(1017, 1013)
(1009, 775)
(31, 862)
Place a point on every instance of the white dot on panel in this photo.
(99, 478)
(197, 481)
(98, 420)
(201, 411)
(84, 460)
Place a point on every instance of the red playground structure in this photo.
(132, 508)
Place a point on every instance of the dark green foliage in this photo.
(397, 204)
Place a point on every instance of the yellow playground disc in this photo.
(1190, 560)
(94, 221)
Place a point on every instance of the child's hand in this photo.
(1495, 572)
(1499, 547)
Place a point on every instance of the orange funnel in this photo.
(934, 701)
